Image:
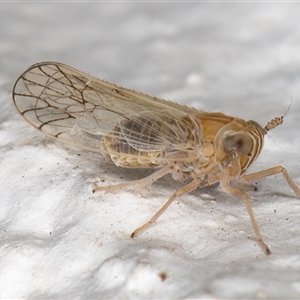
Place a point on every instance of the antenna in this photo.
(278, 120)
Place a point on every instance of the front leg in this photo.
(238, 193)
(269, 172)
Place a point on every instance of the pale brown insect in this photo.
(135, 130)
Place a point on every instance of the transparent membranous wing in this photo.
(79, 109)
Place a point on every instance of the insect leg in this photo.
(183, 190)
(139, 184)
(238, 193)
(269, 172)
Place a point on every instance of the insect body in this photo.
(135, 130)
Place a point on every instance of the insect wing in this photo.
(79, 109)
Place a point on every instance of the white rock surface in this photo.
(58, 240)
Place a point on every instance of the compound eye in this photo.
(240, 142)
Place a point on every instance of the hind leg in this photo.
(138, 185)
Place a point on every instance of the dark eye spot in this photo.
(240, 142)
